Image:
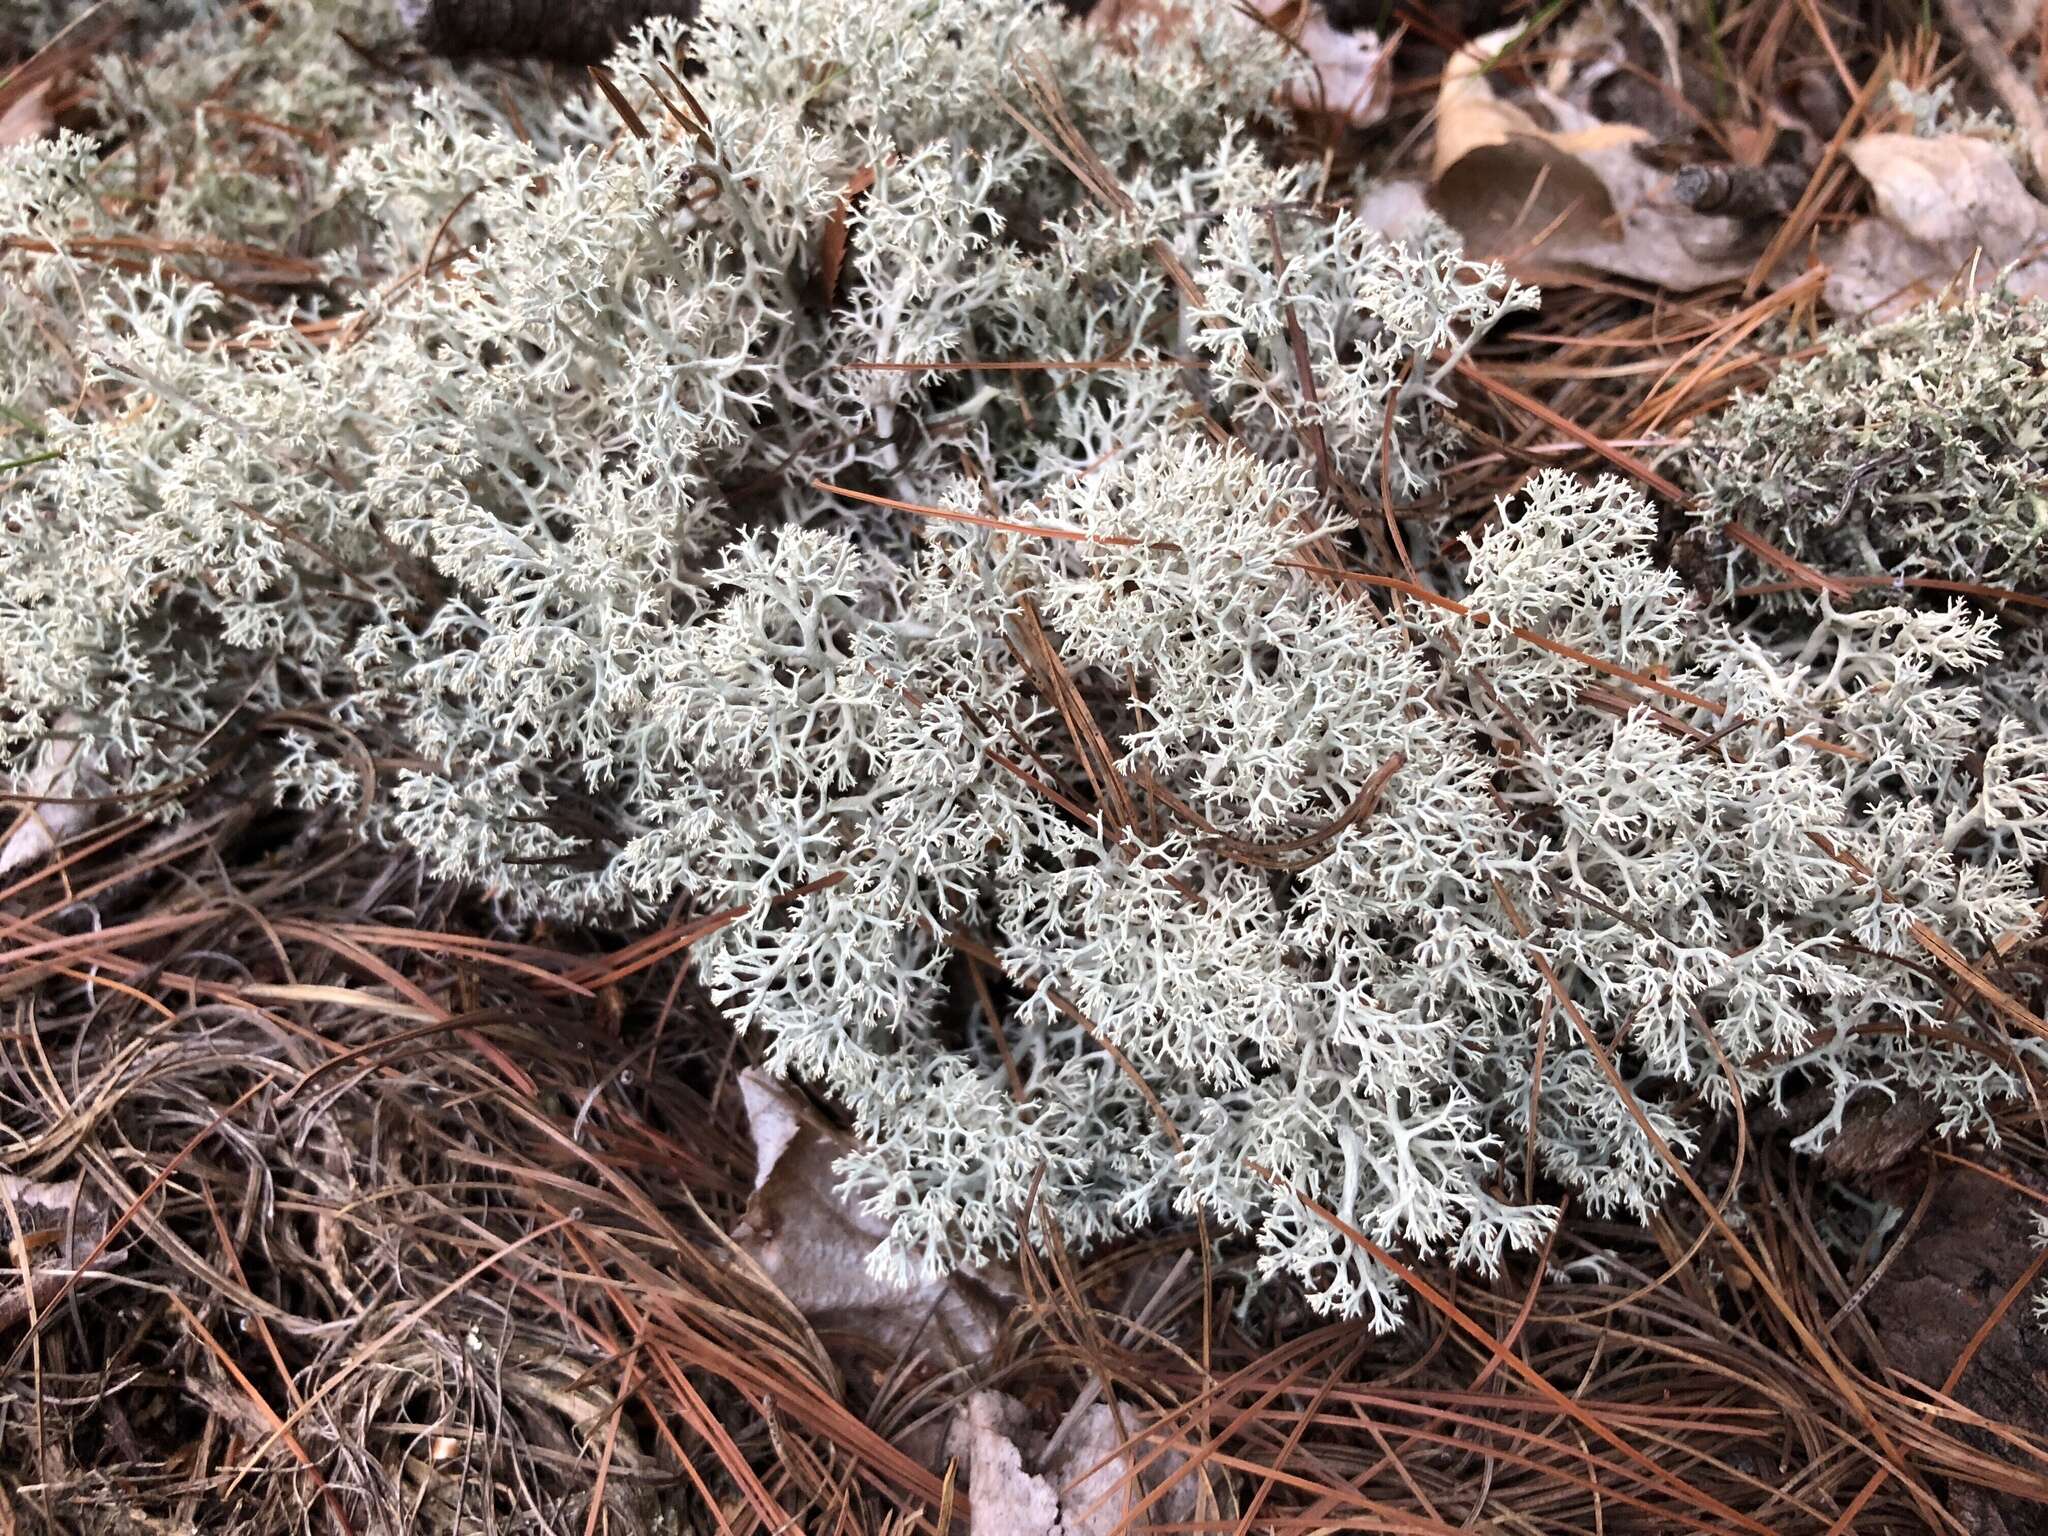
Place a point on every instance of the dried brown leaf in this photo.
(1095, 1478)
(46, 807)
(1951, 212)
(27, 116)
(814, 1245)
(832, 246)
(1349, 75)
(1572, 195)
(47, 1229)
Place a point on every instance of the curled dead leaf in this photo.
(47, 1231)
(832, 246)
(1085, 1481)
(1951, 213)
(814, 1245)
(47, 805)
(1348, 75)
(1570, 194)
(32, 94)
(27, 116)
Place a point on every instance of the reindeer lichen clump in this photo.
(660, 513)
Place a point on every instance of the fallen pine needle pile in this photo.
(348, 1209)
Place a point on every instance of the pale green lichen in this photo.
(1913, 448)
(546, 513)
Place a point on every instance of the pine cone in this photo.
(573, 31)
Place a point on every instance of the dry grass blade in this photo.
(1627, 463)
(493, 1302)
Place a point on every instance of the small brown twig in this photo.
(1753, 192)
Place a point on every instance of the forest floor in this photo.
(348, 1206)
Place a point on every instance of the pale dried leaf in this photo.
(59, 1225)
(1349, 78)
(1086, 1484)
(39, 825)
(27, 116)
(1952, 215)
(1100, 1486)
(814, 1245)
(773, 1120)
(1007, 1500)
(1573, 195)
(1398, 208)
